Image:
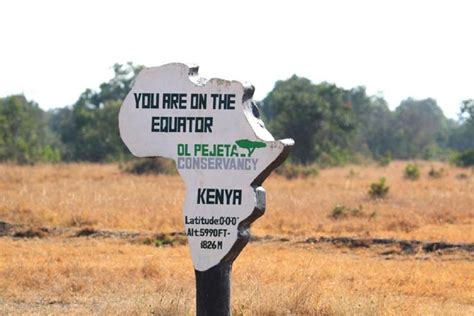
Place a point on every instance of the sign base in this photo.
(213, 290)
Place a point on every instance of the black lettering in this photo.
(208, 121)
(230, 101)
(228, 194)
(211, 196)
(177, 124)
(155, 124)
(174, 100)
(172, 127)
(214, 100)
(166, 101)
(223, 101)
(200, 199)
(164, 120)
(155, 100)
(219, 196)
(182, 124)
(182, 101)
(198, 101)
(146, 100)
(137, 99)
(199, 126)
(191, 121)
(237, 197)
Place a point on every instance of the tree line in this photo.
(331, 125)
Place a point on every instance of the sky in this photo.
(51, 51)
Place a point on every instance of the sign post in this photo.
(213, 131)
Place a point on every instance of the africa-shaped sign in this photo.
(223, 152)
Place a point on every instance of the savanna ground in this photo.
(85, 238)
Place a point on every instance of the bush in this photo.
(50, 154)
(462, 176)
(464, 159)
(291, 171)
(342, 211)
(378, 190)
(351, 174)
(433, 173)
(384, 160)
(336, 157)
(412, 172)
(150, 166)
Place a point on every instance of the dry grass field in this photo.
(53, 271)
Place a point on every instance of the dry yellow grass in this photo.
(426, 209)
(84, 276)
(103, 197)
(58, 274)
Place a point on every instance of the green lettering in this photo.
(205, 149)
(234, 152)
(197, 148)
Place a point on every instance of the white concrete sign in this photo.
(212, 129)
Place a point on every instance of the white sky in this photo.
(53, 50)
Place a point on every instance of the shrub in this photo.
(378, 190)
(351, 174)
(384, 160)
(342, 211)
(291, 171)
(462, 176)
(335, 156)
(464, 159)
(161, 240)
(150, 166)
(412, 172)
(49, 154)
(164, 240)
(433, 173)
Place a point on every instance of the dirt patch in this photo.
(33, 232)
(86, 232)
(386, 246)
(4, 228)
(401, 246)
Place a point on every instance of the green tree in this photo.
(467, 111)
(462, 132)
(89, 130)
(316, 116)
(374, 124)
(24, 133)
(421, 129)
